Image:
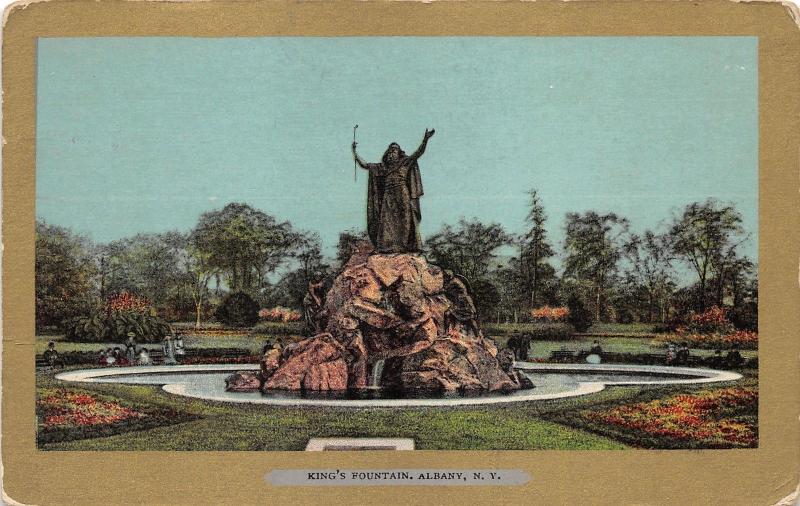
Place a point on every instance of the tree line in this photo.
(621, 276)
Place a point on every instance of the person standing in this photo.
(130, 347)
(180, 350)
(168, 346)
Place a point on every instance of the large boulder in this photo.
(243, 381)
(400, 309)
(315, 364)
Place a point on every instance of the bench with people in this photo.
(679, 355)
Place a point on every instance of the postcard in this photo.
(304, 252)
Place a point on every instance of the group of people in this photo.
(732, 359)
(677, 355)
(172, 347)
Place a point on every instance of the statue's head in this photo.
(393, 153)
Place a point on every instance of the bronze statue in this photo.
(394, 189)
(313, 303)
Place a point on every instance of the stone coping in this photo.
(583, 388)
(319, 444)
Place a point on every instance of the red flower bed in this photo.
(244, 359)
(279, 314)
(127, 302)
(743, 338)
(65, 409)
(704, 417)
(550, 314)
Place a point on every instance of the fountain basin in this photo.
(552, 381)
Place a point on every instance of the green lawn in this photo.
(253, 343)
(225, 426)
(539, 349)
(217, 426)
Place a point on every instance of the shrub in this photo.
(100, 327)
(711, 321)
(579, 315)
(238, 310)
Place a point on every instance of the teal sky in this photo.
(144, 134)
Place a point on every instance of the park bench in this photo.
(562, 356)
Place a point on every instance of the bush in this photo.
(100, 327)
(238, 310)
(579, 315)
(711, 321)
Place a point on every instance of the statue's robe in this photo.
(393, 211)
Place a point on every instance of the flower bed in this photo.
(742, 338)
(279, 314)
(65, 415)
(71, 409)
(244, 359)
(709, 419)
(549, 314)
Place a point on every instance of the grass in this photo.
(223, 426)
(214, 426)
(252, 342)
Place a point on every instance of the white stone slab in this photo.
(358, 444)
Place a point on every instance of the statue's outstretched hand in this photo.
(354, 145)
(429, 133)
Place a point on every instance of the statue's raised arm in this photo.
(421, 149)
(361, 163)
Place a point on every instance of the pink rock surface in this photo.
(392, 307)
(243, 381)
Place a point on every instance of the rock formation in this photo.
(401, 310)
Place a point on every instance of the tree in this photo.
(593, 247)
(198, 275)
(579, 316)
(63, 272)
(346, 245)
(467, 250)
(705, 236)
(243, 244)
(148, 265)
(293, 286)
(535, 250)
(650, 271)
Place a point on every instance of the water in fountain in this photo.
(377, 372)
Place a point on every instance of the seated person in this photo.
(596, 348)
(683, 354)
(716, 360)
(671, 356)
(734, 358)
(51, 356)
(144, 357)
(110, 359)
(119, 358)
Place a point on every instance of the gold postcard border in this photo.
(757, 476)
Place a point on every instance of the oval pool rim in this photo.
(698, 376)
